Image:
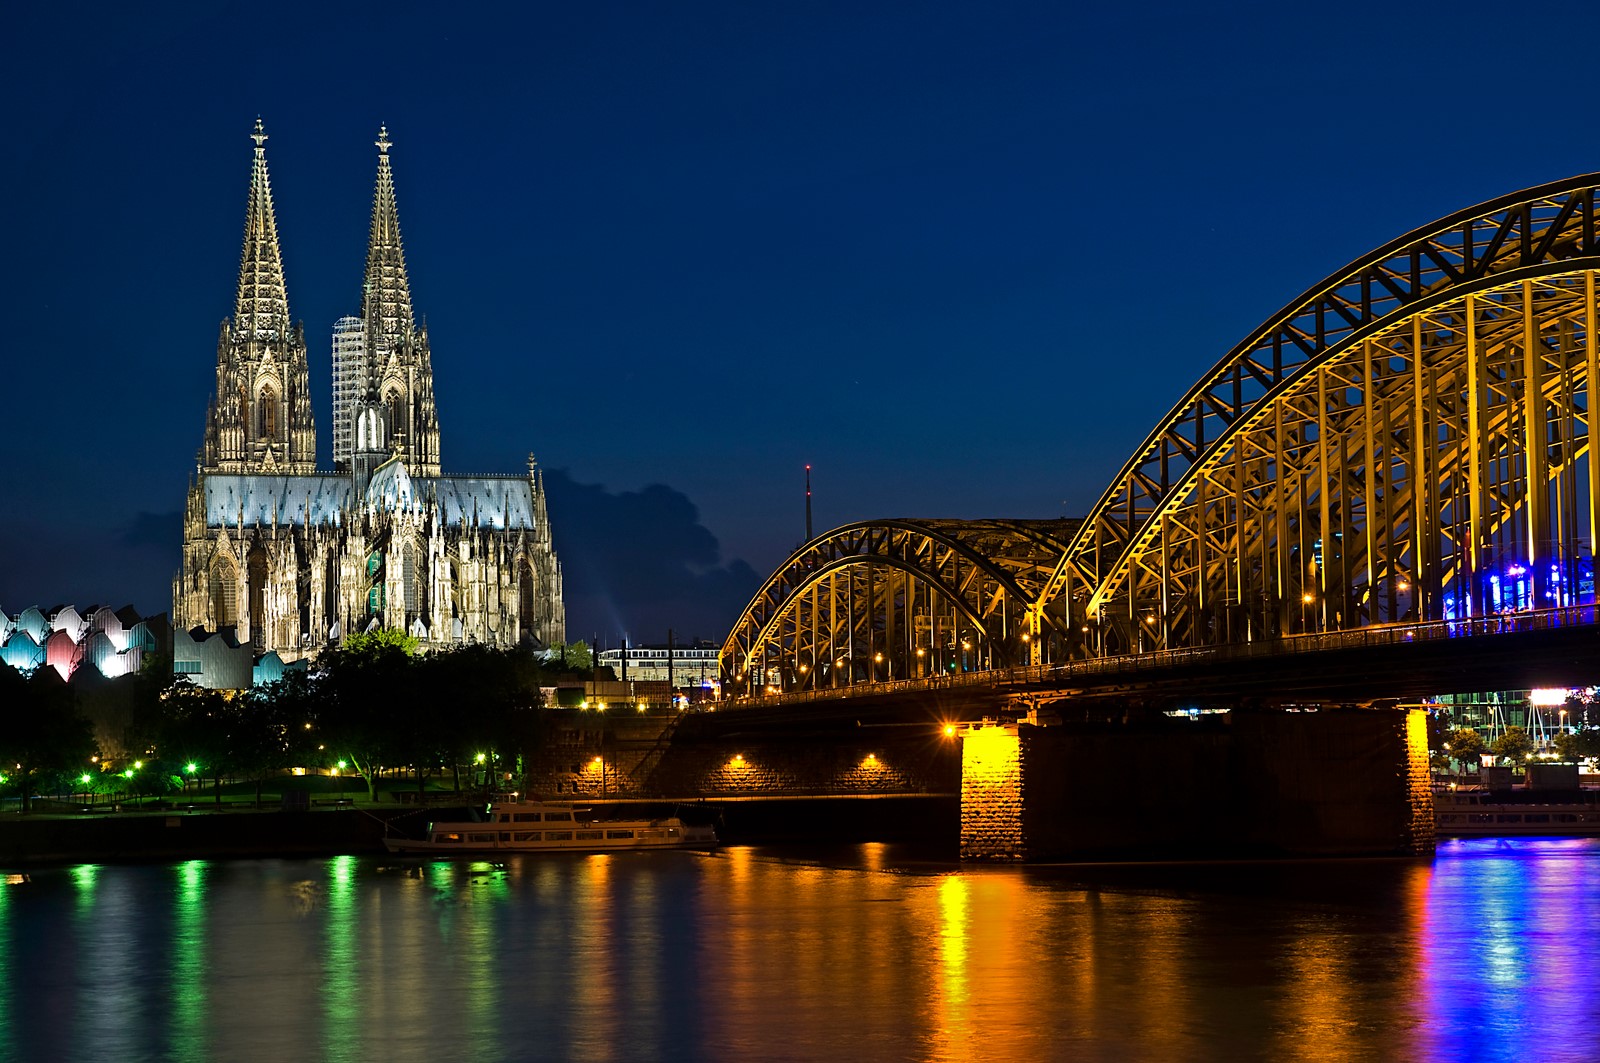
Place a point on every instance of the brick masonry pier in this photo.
(1235, 785)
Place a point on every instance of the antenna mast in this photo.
(808, 502)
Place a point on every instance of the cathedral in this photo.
(293, 558)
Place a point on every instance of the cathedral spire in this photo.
(262, 308)
(386, 294)
(398, 363)
(260, 417)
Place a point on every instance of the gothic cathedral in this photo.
(293, 558)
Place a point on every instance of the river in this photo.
(860, 953)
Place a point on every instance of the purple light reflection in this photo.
(1508, 929)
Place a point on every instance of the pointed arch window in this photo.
(269, 414)
(258, 598)
(396, 414)
(411, 579)
(224, 595)
(528, 601)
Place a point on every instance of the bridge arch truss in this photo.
(1409, 440)
(896, 599)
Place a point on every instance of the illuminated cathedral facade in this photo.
(293, 558)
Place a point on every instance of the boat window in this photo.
(504, 817)
(558, 836)
(619, 834)
(526, 817)
(558, 817)
(1504, 818)
(672, 832)
(482, 837)
(525, 836)
(1566, 817)
(651, 834)
(590, 835)
(1445, 818)
(447, 836)
(1536, 817)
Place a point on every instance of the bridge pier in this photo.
(1341, 782)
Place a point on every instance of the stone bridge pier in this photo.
(1340, 782)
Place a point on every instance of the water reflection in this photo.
(872, 953)
(187, 974)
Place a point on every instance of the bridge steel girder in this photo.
(1398, 412)
(896, 599)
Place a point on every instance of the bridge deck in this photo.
(1548, 647)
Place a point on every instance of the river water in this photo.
(868, 952)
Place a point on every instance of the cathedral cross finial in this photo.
(259, 136)
(383, 140)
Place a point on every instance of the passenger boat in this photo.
(1489, 813)
(522, 826)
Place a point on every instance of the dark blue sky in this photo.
(958, 257)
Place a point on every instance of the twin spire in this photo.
(262, 307)
(262, 404)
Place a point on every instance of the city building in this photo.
(113, 642)
(686, 667)
(291, 558)
(349, 386)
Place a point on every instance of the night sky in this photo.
(960, 258)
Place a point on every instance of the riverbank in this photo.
(203, 831)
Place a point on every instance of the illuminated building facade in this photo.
(114, 642)
(292, 558)
(690, 666)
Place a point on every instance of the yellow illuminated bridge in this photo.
(1406, 445)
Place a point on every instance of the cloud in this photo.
(636, 563)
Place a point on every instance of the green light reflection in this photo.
(341, 1016)
(84, 877)
(8, 1049)
(189, 968)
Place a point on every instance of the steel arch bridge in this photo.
(1406, 441)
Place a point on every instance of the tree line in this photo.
(374, 704)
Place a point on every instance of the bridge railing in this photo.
(1161, 660)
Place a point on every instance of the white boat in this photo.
(1488, 813)
(521, 826)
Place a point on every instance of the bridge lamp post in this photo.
(877, 659)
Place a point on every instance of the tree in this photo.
(1466, 746)
(1513, 746)
(1567, 743)
(495, 692)
(200, 728)
(43, 736)
(571, 656)
(377, 644)
(271, 734)
(1579, 745)
(363, 688)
